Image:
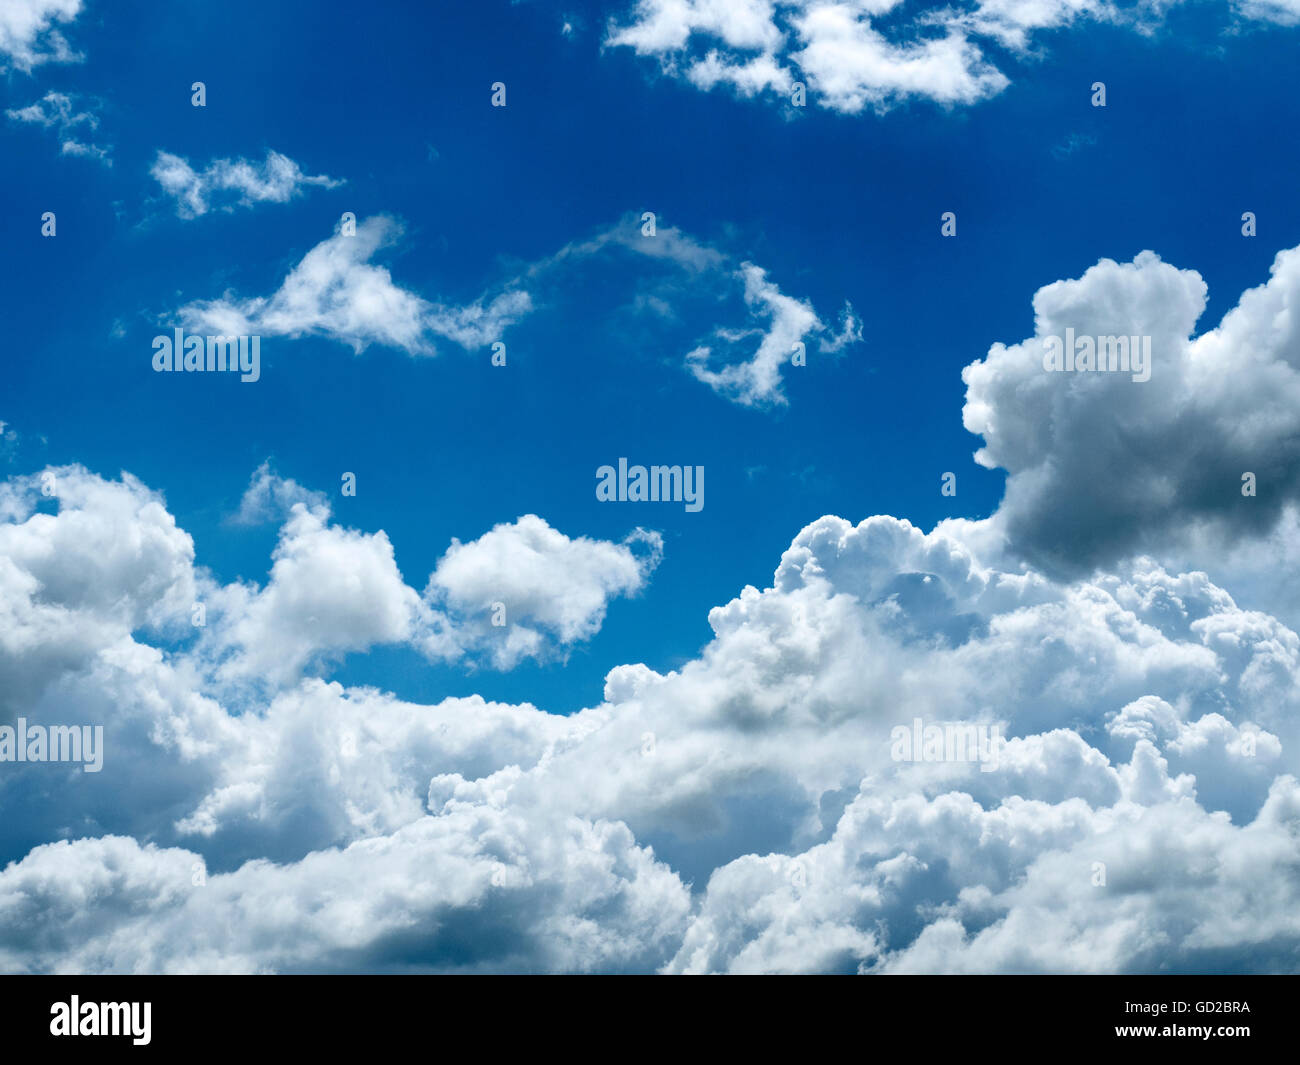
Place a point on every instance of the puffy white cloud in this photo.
(238, 182)
(849, 65)
(1012, 23)
(663, 25)
(112, 554)
(270, 497)
(475, 890)
(748, 811)
(859, 54)
(1103, 467)
(524, 589)
(29, 33)
(741, 814)
(334, 291)
(330, 591)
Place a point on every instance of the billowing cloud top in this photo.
(747, 812)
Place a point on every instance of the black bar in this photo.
(582, 1016)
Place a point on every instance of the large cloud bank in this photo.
(746, 813)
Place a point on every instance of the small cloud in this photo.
(234, 182)
(69, 120)
(335, 291)
(757, 381)
(1075, 142)
(8, 441)
(270, 498)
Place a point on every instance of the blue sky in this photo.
(838, 203)
(835, 210)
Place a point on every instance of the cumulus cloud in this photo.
(270, 497)
(1103, 467)
(59, 112)
(748, 811)
(8, 440)
(226, 183)
(30, 35)
(744, 812)
(524, 589)
(855, 55)
(330, 591)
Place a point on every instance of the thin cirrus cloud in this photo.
(336, 291)
(227, 183)
(71, 118)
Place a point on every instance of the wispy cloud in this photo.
(70, 118)
(336, 291)
(228, 183)
(270, 497)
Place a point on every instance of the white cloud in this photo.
(858, 54)
(743, 812)
(239, 182)
(29, 33)
(480, 889)
(846, 62)
(740, 813)
(1102, 467)
(776, 322)
(335, 291)
(1284, 12)
(330, 591)
(757, 381)
(270, 497)
(663, 25)
(59, 112)
(553, 591)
